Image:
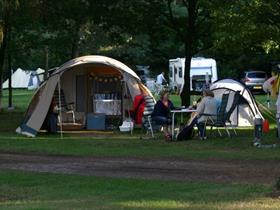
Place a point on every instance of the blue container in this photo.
(96, 122)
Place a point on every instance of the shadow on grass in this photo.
(27, 190)
(118, 145)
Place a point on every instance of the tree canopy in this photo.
(239, 34)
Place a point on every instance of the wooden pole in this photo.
(46, 62)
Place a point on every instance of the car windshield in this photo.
(256, 75)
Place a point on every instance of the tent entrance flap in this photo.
(39, 113)
(95, 89)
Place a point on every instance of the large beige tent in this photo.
(94, 84)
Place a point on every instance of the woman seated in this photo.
(206, 109)
(161, 113)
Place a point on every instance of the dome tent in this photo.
(77, 79)
(247, 109)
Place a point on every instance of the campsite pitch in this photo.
(120, 171)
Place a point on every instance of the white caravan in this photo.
(201, 69)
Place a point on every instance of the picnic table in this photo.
(180, 111)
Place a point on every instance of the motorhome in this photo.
(202, 69)
(143, 71)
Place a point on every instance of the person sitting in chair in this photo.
(161, 113)
(51, 119)
(206, 109)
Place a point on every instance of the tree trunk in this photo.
(46, 62)
(3, 48)
(76, 42)
(186, 92)
(189, 49)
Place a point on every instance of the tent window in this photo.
(170, 71)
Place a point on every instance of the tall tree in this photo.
(191, 20)
(246, 36)
(7, 9)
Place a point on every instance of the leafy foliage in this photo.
(239, 34)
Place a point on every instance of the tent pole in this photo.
(122, 100)
(125, 107)
(60, 113)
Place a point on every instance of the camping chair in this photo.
(218, 120)
(223, 116)
(147, 115)
(235, 102)
(67, 108)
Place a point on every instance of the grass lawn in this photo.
(113, 145)
(21, 99)
(42, 191)
(126, 145)
(27, 190)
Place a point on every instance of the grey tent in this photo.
(84, 81)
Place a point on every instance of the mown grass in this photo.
(126, 145)
(26, 190)
(44, 191)
(21, 99)
(118, 144)
(9, 120)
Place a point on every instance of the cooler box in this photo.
(96, 122)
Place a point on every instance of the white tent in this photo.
(40, 72)
(247, 109)
(91, 83)
(25, 79)
(20, 79)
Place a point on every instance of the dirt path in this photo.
(221, 171)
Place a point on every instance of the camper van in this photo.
(202, 69)
(143, 72)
